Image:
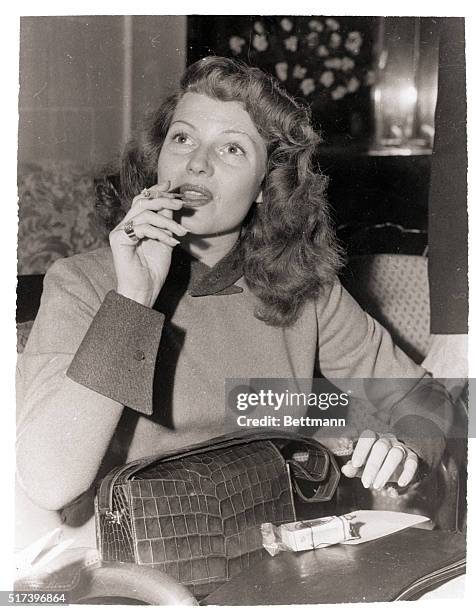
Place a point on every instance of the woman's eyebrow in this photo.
(183, 121)
(236, 131)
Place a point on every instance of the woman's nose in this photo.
(199, 162)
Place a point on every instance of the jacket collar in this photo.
(203, 280)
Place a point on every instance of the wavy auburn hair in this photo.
(288, 246)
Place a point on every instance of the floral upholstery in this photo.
(56, 214)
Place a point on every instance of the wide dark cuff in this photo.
(423, 437)
(118, 354)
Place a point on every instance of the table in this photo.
(374, 571)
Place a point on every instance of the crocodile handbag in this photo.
(195, 513)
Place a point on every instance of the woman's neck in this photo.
(209, 249)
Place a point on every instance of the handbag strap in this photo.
(319, 466)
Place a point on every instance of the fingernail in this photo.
(377, 485)
(365, 483)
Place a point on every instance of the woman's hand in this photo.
(378, 459)
(142, 264)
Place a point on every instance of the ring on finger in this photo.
(402, 448)
(129, 230)
(145, 193)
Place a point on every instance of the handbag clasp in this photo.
(114, 517)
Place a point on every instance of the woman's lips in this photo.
(195, 195)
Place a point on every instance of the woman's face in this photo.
(213, 155)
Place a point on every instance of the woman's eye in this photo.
(181, 138)
(234, 149)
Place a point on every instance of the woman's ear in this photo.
(259, 197)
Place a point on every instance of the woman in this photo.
(225, 170)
